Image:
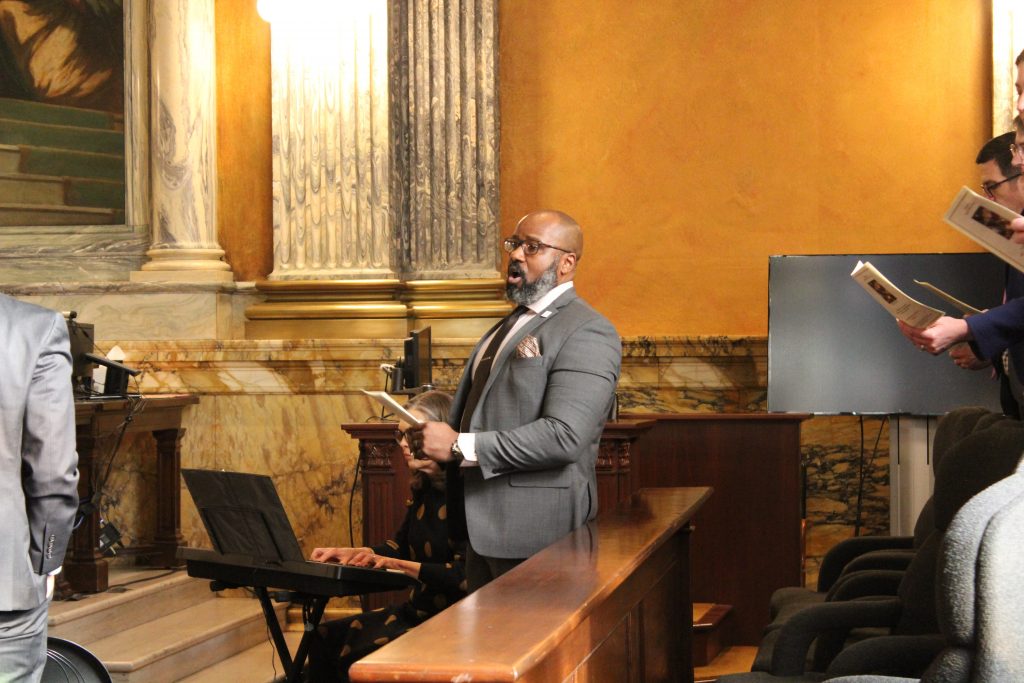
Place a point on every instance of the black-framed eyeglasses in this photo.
(403, 435)
(989, 186)
(530, 247)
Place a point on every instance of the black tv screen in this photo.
(416, 370)
(833, 350)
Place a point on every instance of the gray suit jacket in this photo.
(538, 427)
(38, 462)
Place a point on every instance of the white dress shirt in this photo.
(467, 440)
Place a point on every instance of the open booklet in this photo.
(892, 298)
(987, 223)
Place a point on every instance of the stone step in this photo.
(15, 132)
(41, 214)
(43, 189)
(10, 159)
(66, 162)
(122, 607)
(178, 645)
(59, 115)
(97, 192)
(31, 189)
(710, 631)
(258, 664)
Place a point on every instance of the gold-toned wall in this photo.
(244, 200)
(695, 139)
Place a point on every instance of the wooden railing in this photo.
(610, 601)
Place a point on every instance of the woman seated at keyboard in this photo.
(421, 549)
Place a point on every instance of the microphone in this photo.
(394, 372)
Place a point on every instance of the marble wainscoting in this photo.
(846, 460)
(129, 311)
(274, 407)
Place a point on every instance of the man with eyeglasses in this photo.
(526, 421)
(992, 337)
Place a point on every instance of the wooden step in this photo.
(731, 660)
(710, 631)
(180, 644)
(97, 616)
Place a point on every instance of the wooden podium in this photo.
(386, 477)
(746, 539)
(85, 569)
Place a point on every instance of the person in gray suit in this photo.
(527, 417)
(38, 478)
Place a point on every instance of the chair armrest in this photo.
(837, 558)
(907, 656)
(789, 655)
(895, 558)
(867, 583)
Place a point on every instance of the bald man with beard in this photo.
(520, 448)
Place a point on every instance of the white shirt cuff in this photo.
(467, 444)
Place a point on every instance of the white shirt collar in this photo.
(545, 301)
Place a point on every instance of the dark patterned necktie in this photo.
(483, 368)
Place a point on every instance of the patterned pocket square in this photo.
(529, 347)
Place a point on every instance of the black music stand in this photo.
(256, 547)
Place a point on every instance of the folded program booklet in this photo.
(394, 406)
(892, 298)
(961, 306)
(988, 224)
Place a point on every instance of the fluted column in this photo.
(331, 145)
(444, 102)
(183, 125)
(385, 127)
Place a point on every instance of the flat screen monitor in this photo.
(833, 350)
(416, 369)
(81, 337)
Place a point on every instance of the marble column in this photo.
(183, 126)
(385, 173)
(445, 105)
(330, 148)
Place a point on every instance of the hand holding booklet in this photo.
(988, 224)
(394, 406)
(892, 298)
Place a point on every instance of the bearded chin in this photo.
(526, 293)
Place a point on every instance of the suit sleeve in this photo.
(997, 329)
(577, 397)
(49, 460)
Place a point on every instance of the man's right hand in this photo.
(433, 440)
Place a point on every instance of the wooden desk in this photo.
(746, 540)
(85, 568)
(608, 602)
